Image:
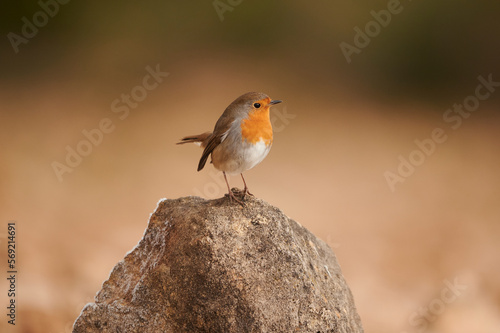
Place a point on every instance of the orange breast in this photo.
(257, 126)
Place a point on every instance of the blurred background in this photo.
(416, 230)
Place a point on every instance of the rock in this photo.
(214, 266)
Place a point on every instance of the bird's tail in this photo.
(200, 139)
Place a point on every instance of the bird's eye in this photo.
(256, 105)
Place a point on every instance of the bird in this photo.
(241, 139)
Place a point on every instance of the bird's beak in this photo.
(276, 101)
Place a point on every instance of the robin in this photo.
(241, 139)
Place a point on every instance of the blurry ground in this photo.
(400, 251)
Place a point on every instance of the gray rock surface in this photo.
(214, 266)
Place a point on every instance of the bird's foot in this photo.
(233, 197)
(246, 191)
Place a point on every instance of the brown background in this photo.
(348, 124)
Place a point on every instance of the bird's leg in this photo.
(245, 190)
(230, 193)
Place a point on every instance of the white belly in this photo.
(246, 157)
(254, 154)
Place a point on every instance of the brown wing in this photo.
(220, 132)
(212, 143)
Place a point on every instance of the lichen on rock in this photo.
(212, 266)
